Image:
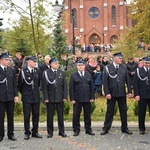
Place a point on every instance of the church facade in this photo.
(95, 21)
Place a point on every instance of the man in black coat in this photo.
(115, 76)
(81, 95)
(131, 67)
(54, 89)
(9, 95)
(46, 64)
(142, 92)
(28, 85)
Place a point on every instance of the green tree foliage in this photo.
(140, 14)
(59, 41)
(33, 28)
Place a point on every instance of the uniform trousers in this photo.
(27, 109)
(50, 116)
(77, 108)
(110, 112)
(142, 104)
(7, 107)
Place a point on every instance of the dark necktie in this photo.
(32, 73)
(81, 74)
(55, 73)
(5, 69)
(117, 68)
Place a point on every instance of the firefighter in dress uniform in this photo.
(115, 76)
(54, 87)
(8, 96)
(142, 92)
(29, 87)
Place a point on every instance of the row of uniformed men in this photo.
(81, 91)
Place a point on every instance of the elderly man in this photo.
(142, 91)
(8, 96)
(115, 76)
(81, 95)
(28, 85)
(46, 64)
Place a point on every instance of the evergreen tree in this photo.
(59, 41)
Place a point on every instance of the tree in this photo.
(59, 41)
(140, 13)
(33, 26)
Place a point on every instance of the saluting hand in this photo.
(137, 98)
(16, 99)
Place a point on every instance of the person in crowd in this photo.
(72, 63)
(115, 77)
(28, 84)
(97, 81)
(105, 62)
(142, 92)
(8, 97)
(131, 67)
(81, 92)
(54, 87)
(18, 62)
(91, 66)
(46, 64)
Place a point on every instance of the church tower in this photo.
(95, 21)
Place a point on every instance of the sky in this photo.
(14, 16)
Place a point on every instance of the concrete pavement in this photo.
(114, 140)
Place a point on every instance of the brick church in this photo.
(95, 21)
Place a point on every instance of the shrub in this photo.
(66, 107)
(93, 106)
(136, 109)
(18, 108)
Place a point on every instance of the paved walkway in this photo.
(114, 140)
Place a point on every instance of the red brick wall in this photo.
(95, 26)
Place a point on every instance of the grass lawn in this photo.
(98, 114)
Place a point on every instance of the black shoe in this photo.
(13, 138)
(27, 137)
(142, 132)
(103, 132)
(37, 135)
(90, 133)
(1, 138)
(76, 134)
(50, 135)
(63, 134)
(127, 131)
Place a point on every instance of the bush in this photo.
(18, 109)
(136, 109)
(66, 107)
(42, 109)
(93, 106)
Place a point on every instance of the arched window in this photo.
(113, 15)
(75, 18)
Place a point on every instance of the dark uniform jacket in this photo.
(114, 82)
(43, 67)
(30, 92)
(54, 92)
(8, 89)
(81, 88)
(142, 83)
